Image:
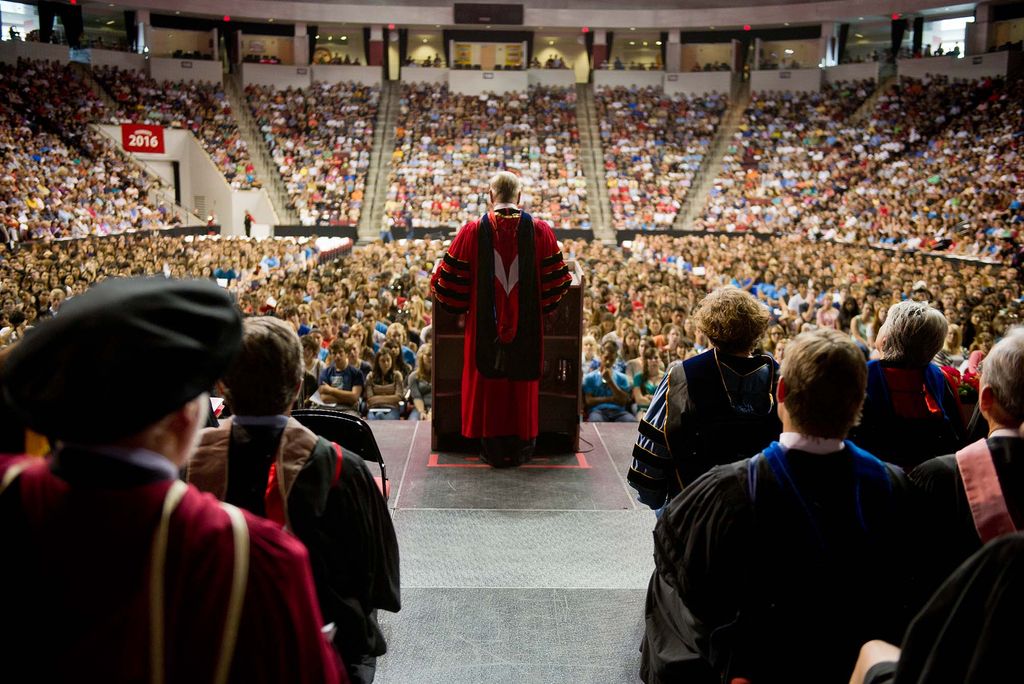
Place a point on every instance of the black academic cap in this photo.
(121, 356)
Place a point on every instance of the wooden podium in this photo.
(561, 376)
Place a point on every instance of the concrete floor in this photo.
(529, 575)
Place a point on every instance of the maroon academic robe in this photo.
(75, 574)
(501, 406)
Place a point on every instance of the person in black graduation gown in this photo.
(969, 633)
(777, 568)
(266, 462)
(956, 525)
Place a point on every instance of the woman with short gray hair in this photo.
(911, 412)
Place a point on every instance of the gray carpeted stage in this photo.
(530, 575)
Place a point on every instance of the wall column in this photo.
(376, 45)
(600, 49)
(673, 52)
(301, 44)
(979, 34)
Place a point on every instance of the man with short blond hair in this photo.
(783, 548)
(505, 272)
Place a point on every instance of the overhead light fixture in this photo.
(271, 19)
(645, 43)
(860, 18)
(426, 40)
(177, 11)
(344, 38)
(318, 36)
(330, 37)
(488, 26)
(859, 35)
(711, 27)
(785, 23)
(788, 51)
(437, 26)
(657, 42)
(632, 42)
(551, 42)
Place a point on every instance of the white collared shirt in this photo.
(812, 445)
(1004, 432)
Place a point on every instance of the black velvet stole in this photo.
(520, 358)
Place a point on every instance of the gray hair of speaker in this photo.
(505, 187)
(1003, 371)
(913, 333)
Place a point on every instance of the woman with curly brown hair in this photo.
(714, 408)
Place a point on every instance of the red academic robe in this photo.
(76, 575)
(498, 407)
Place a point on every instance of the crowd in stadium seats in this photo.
(781, 159)
(641, 297)
(320, 139)
(58, 178)
(653, 146)
(199, 107)
(907, 177)
(448, 145)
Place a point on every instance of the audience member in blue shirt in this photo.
(341, 383)
(607, 392)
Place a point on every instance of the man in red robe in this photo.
(505, 272)
(115, 570)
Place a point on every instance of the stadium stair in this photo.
(711, 165)
(887, 78)
(378, 176)
(593, 164)
(259, 151)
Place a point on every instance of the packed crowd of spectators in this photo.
(320, 138)
(653, 145)
(933, 167)
(640, 297)
(448, 145)
(202, 108)
(58, 177)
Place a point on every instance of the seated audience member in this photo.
(811, 517)
(969, 633)
(910, 414)
(978, 494)
(607, 392)
(419, 385)
(107, 518)
(341, 383)
(646, 382)
(266, 462)
(384, 387)
(713, 408)
(952, 352)
(312, 366)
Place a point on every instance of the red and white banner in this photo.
(142, 138)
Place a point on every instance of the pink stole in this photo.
(984, 493)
